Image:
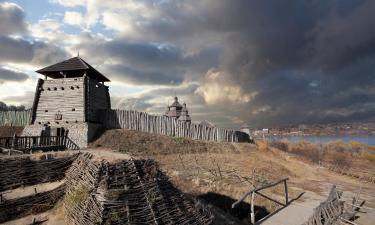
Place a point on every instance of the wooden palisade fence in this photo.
(133, 120)
(15, 118)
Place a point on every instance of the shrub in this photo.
(280, 145)
(369, 157)
(341, 160)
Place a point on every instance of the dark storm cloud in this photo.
(23, 51)
(305, 59)
(11, 19)
(15, 50)
(9, 75)
(150, 63)
(298, 61)
(135, 76)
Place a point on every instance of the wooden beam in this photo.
(286, 192)
(265, 196)
(258, 189)
(252, 214)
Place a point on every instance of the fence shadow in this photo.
(241, 211)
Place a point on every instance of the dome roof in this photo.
(176, 103)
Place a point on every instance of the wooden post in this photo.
(286, 192)
(252, 214)
(14, 141)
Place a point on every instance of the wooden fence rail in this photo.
(27, 144)
(257, 191)
(133, 120)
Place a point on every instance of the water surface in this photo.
(369, 140)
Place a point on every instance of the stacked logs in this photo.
(24, 171)
(127, 192)
(133, 120)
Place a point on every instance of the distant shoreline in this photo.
(323, 139)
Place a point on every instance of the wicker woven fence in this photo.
(15, 118)
(133, 120)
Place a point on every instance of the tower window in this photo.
(71, 87)
(46, 110)
(55, 88)
(62, 88)
(48, 89)
(73, 109)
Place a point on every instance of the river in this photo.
(369, 140)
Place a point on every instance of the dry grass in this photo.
(216, 172)
(144, 144)
(225, 176)
(354, 158)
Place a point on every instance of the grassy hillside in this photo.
(354, 158)
(140, 143)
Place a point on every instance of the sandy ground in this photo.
(30, 190)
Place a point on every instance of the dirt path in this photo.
(31, 190)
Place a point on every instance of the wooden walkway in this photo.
(316, 211)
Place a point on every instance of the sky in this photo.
(263, 63)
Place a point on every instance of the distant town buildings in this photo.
(178, 111)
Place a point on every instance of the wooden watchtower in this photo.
(69, 98)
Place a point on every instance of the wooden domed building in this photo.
(178, 111)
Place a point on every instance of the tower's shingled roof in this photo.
(71, 68)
